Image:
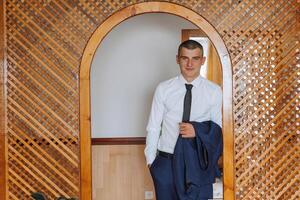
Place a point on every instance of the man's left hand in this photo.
(186, 130)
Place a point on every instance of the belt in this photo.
(165, 154)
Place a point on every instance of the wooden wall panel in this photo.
(45, 42)
(42, 100)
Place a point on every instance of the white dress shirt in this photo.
(167, 110)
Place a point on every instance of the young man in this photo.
(167, 121)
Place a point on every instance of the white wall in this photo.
(132, 59)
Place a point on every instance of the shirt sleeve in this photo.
(216, 112)
(154, 125)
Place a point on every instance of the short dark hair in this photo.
(190, 44)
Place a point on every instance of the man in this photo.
(166, 117)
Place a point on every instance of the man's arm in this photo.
(216, 116)
(216, 111)
(154, 125)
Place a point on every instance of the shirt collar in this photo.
(196, 82)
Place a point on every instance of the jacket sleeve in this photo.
(209, 144)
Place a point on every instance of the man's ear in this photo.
(203, 60)
(177, 59)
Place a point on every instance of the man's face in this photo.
(190, 62)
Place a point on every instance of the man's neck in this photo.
(190, 79)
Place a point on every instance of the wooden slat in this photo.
(20, 182)
(3, 152)
(30, 172)
(253, 27)
(273, 119)
(265, 128)
(11, 195)
(289, 29)
(296, 195)
(44, 88)
(57, 173)
(58, 26)
(45, 134)
(262, 159)
(270, 174)
(26, 92)
(43, 153)
(66, 10)
(279, 93)
(277, 70)
(253, 147)
(285, 185)
(27, 20)
(49, 119)
(38, 169)
(267, 35)
(40, 57)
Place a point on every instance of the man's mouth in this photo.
(189, 69)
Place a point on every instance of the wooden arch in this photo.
(85, 114)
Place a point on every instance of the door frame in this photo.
(85, 66)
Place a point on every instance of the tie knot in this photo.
(188, 86)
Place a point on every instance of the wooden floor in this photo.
(120, 172)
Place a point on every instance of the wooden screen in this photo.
(45, 40)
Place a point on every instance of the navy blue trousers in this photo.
(162, 174)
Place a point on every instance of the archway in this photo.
(85, 114)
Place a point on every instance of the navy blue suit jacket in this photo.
(195, 160)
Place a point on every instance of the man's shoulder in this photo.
(211, 85)
(168, 82)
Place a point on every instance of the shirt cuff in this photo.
(150, 157)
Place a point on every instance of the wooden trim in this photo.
(85, 114)
(119, 141)
(187, 33)
(3, 151)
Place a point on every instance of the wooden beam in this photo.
(3, 151)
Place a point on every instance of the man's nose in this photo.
(189, 62)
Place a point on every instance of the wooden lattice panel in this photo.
(265, 57)
(42, 101)
(45, 42)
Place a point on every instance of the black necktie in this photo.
(187, 103)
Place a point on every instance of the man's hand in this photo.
(186, 130)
